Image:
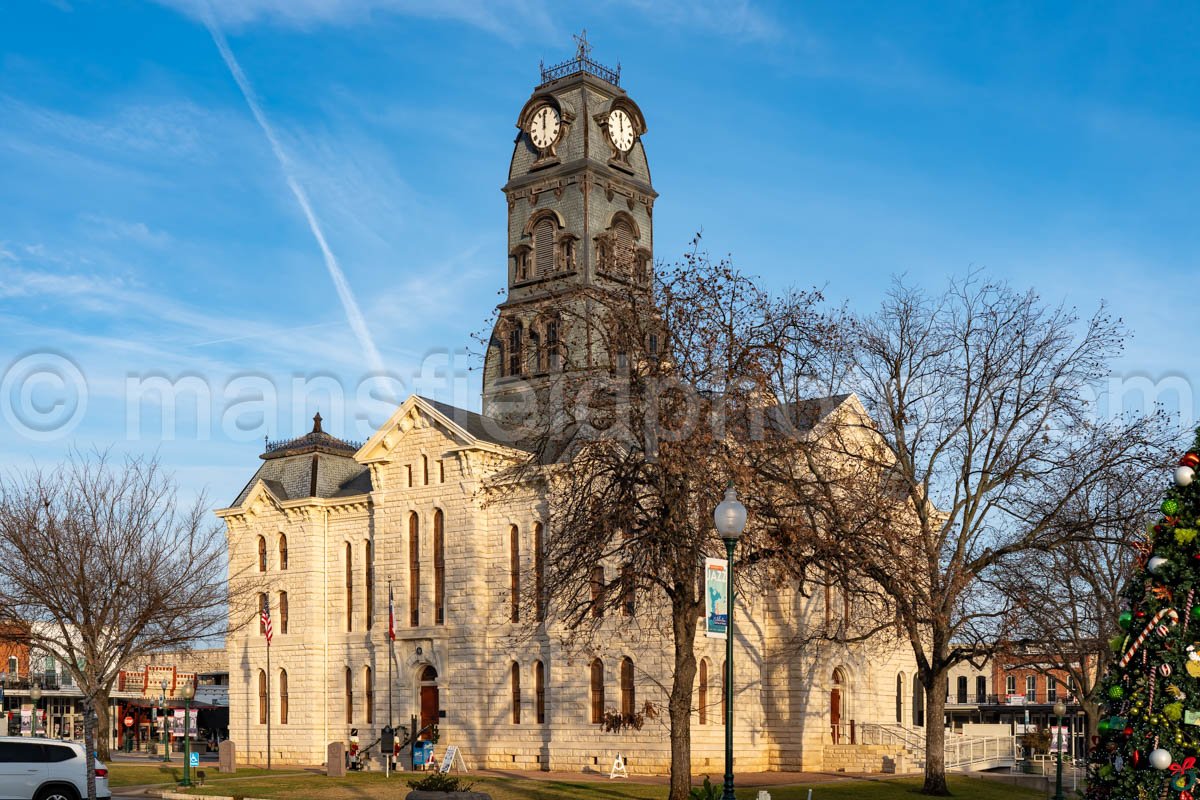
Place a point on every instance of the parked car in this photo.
(46, 769)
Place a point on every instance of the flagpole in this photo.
(391, 648)
(268, 703)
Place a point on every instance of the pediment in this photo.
(414, 414)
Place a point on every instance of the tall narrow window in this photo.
(597, 691)
(264, 605)
(283, 697)
(516, 693)
(1051, 689)
(539, 691)
(283, 560)
(439, 568)
(514, 573)
(543, 247)
(628, 591)
(828, 605)
(262, 697)
(369, 691)
(553, 357)
(703, 691)
(628, 698)
(1031, 688)
(1010, 684)
(349, 678)
(283, 612)
(408, 468)
(514, 349)
(961, 689)
(980, 689)
(369, 580)
(441, 470)
(900, 698)
(414, 570)
(623, 247)
(349, 587)
(539, 573)
(597, 591)
(425, 469)
(262, 554)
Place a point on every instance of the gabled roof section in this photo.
(469, 428)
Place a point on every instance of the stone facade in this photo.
(328, 531)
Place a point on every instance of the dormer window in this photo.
(543, 247)
(521, 263)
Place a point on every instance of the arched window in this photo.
(439, 568)
(539, 691)
(553, 353)
(369, 579)
(349, 679)
(534, 351)
(264, 605)
(962, 689)
(283, 697)
(980, 689)
(262, 554)
(414, 570)
(425, 468)
(13, 665)
(596, 693)
(516, 693)
(900, 698)
(283, 560)
(623, 247)
(514, 349)
(539, 572)
(514, 573)
(918, 703)
(597, 585)
(369, 691)
(628, 697)
(262, 697)
(703, 691)
(349, 587)
(543, 247)
(283, 612)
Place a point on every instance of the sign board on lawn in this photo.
(194, 759)
(716, 607)
(448, 759)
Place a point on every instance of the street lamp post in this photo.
(1060, 709)
(730, 520)
(162, 716)
(35, 694)
(188, 691)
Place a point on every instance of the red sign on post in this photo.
(129, 722)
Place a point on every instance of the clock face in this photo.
(620, 130)
(544, 127)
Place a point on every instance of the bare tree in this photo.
(99, 567)
(1065, 603)
(658, 400)
(976, 439)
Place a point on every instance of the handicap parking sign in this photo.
(194, 759)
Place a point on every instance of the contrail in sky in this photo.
(354, 315)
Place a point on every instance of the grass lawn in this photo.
(123, 774)
(373, 786)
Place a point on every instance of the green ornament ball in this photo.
(1126, 618)
(1116, 643)
(1116, 692)
(1104, 726)
(1170, 506)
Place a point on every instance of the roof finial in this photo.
(317, 423)
(583, 50)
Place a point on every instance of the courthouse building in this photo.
(332, 526)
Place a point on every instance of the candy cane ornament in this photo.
(1167, 613)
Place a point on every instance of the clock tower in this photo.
(580, 208)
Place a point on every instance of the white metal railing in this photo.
(893, 736)
(964, 751)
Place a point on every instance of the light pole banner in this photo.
(177, 723)
(716, 605)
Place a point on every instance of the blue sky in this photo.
(147, 227)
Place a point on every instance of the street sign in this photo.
(129, 722)
(194, 759)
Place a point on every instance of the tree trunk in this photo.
(1092, 709)
(89, 746)
(680, 703)
(103, 725)
(935, 734)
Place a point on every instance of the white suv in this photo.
(46, 769)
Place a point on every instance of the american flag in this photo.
(266, 626)
(391, 616)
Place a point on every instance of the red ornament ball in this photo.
(1164, 669)
(1190, 460)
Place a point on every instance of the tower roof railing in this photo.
(580, 64)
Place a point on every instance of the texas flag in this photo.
(391, 616)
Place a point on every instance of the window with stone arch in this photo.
(900, 698)
(552, 345)
(283, 697)
(515, 679)
(262, 697)
(514, 573)
(264, 607)
(628, 690)
(283, 553)
(539, 573)
(348, 676)
(703, 699)
(596, 691)
(349, 587)
(262, 554)
(543, 246)
(283, 612)
(414, 570)
(369, 582)
(439, 568)
(513, 350)
(369, 694)
(539, 692)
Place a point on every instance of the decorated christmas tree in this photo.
(1149, 736)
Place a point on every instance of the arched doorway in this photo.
(430, 706)
(837, 697)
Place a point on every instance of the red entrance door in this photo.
(835, 714)
(429, 707)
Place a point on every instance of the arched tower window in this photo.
(628, 696)
(439, 568)
(596, 691)
(553, 352)
(623, 247)
(283, 697)
(514, 573)
(516, 693)
(414, 570)
(514, 350)
(283, 555)
(543, 247)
